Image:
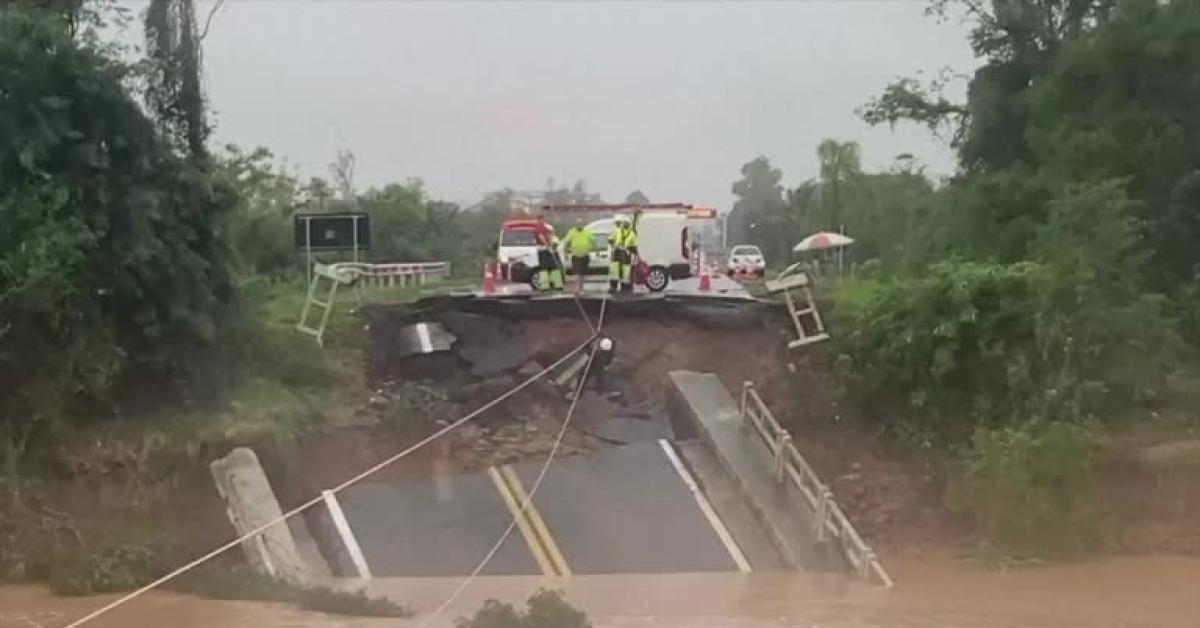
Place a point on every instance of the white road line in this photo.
(718, 526)
(423, 338)
(348, 539)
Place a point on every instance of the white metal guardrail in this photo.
(389, 275)
(359, 275)
(828, 519)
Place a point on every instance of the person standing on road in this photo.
(549, 267)
(578, 244)
(623, 245)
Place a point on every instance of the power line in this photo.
(319, 498)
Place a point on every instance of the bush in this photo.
(547, 609)
(134, 558)
(1030, 489)
(974, 344)
(116, 563)
(240, 582)
(939, 355)
(114, 264)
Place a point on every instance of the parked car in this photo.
(747, 259)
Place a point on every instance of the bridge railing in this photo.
(381, 276)
(829, 521)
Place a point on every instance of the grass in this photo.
(286, 383)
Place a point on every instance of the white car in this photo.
(746, 259)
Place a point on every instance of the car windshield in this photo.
(517, 237)
(746, 250)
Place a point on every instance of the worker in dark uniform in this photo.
(597, 375)
(550, 276)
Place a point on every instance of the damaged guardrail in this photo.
(829, 521)
(357, 274)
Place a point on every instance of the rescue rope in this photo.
(528, 498)
(346, 484)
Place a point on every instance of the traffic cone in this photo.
(705, 280)
(489, 278)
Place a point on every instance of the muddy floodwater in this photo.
(1123, 592)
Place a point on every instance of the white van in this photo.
(663, 245)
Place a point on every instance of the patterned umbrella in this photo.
(823, 240)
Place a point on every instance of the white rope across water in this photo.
(528, 498)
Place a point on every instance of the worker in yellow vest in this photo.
(622, 244)
(578, 247)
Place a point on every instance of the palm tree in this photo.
(840, 166)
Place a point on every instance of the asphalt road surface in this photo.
(626, 509)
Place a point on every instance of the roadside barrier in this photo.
(380, 276)
(488, 284)
(358, 275)
(829, 522)
(705, 281)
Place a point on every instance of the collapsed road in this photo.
(632, 489)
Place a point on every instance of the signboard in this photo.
(347, 231)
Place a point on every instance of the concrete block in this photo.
(251, 503)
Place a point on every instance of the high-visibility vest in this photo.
(579, 241)
(623, 239)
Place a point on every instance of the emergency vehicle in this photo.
(516, 252)
(666, 237)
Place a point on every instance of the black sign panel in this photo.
(333, 232)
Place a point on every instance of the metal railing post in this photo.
(785, 439)
(746, 386)
(822, 511)
(868, 560)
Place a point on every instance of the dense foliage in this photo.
(113, 259)
(1030, 489)
(1051, 282)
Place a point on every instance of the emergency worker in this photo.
(549, 266)
(578, 246)
(622, 244)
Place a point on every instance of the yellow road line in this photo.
(539, 524)
(514, 506)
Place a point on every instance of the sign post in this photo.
(344, 231)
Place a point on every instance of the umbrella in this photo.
(823, 240)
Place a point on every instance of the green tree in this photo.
(173, 85)
(760, 194)
(1017, 41)
(261, 230)
(114, 261)
(840, 166)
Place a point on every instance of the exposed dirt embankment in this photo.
(109, 477)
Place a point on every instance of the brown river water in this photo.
(931, 591)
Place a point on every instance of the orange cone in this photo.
(489, 278)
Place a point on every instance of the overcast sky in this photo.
(670, 98)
